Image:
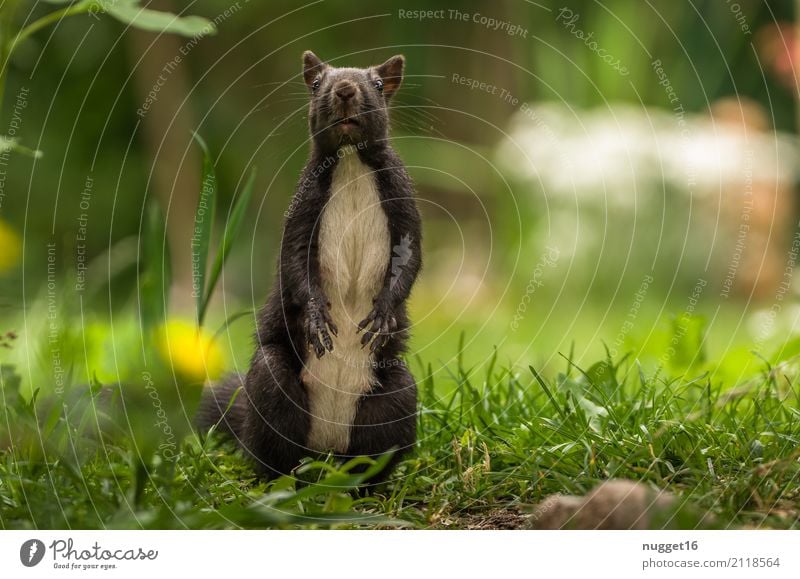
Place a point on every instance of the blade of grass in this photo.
(547, 391)
(232, 318)
(232, 228)
(203, 223)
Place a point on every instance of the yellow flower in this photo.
(10, 247)
(194, 354)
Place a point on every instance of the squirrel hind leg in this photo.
(277, 420)
(386, 418)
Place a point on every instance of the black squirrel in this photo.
(326, 375)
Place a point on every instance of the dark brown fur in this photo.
(270, 416)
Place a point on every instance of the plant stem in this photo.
(7, 46)
(46, 20)
(4, 57)
(6, 21)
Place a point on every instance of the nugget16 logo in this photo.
(32, 552)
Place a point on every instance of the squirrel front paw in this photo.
(319, 326)
(381, 322)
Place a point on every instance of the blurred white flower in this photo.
(628, 155)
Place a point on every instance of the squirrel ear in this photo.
(391, 73)
(312, 66)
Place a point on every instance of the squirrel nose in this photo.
(345, 90)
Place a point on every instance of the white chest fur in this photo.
(354, 252)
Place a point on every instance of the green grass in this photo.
(492, 441)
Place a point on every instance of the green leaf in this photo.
(232, 228)
(602, 374)
(594, 413)
(203, 223)
(129, 12)
(154, 277)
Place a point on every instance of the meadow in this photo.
(493, 441)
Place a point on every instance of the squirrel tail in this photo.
(223, 406)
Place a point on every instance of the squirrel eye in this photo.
(379, 85)
(315, 85)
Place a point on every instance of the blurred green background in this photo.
(591, 174)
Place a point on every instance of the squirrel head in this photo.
(349, 105)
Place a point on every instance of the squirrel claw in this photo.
(381, 326)
(319, 327)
